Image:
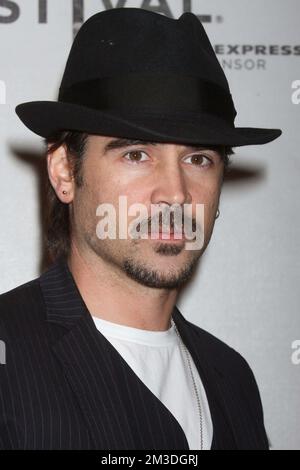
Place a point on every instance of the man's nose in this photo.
(170, 185)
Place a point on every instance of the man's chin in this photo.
(158, 278)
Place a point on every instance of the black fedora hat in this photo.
(139, 74)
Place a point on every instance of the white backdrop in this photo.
(246, 290)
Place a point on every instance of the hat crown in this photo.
(136, 73)
(133, 41)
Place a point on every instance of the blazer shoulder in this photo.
(235, 371)
(224, 356)
(19, 304)
(13, 296)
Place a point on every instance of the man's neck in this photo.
(111, 295)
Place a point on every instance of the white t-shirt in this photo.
(159, 361)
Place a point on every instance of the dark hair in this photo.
(57, 219)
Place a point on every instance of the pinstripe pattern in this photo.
(64, 386)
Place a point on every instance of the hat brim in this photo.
(44, 118)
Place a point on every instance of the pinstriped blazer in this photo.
(64, 386)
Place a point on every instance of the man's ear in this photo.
(60, 174)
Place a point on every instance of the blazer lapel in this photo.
(119, 409)
(218, 390)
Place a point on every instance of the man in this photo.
(98, 355)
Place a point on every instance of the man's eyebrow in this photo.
(122, 143)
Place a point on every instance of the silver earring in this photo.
(218, 213)
(65, 192)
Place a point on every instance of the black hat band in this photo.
(159, 93)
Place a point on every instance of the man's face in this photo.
(155, 175)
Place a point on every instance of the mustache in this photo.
(175, 222)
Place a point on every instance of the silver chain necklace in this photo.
(194, 383)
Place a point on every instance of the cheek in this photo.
(109, 182)
(119, 196)
(209, 196)
(99, 187)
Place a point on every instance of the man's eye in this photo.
(135, 156)
(199, 159)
